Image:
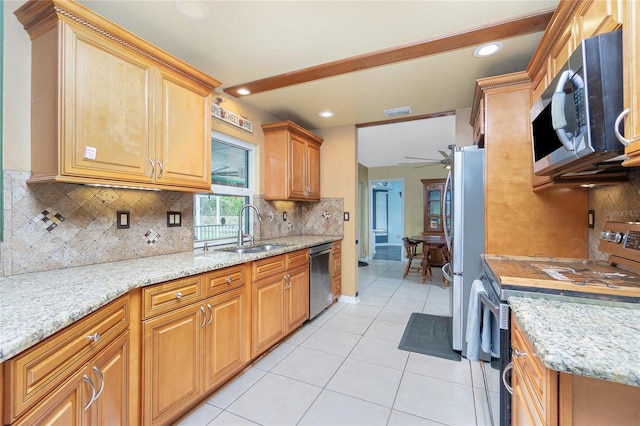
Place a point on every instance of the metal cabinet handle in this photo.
(287, 280)
(160, 167)
(99, 374)
(504, 378)
(153, 168)
(517, 353)
(229, 279)
(616, 128)
(94, 337)
(88, 381)
(204, 316)
(178, 295)
(210, 313)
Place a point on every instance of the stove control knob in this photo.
(616, 237)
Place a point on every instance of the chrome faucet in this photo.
(241, 234)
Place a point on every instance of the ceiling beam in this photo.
(524, 25)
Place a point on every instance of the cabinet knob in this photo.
(517, 353)
(178, 295)
(93, 337)
(229, 279)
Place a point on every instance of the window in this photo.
(216, 215)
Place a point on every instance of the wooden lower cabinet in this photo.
(280, 302)
(106, 378)
(268, 305)
(336, 269)
(172, 362)
(226, 343)
(190, 351)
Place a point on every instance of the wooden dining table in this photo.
(431, 242)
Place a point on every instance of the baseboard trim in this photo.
(349, 299)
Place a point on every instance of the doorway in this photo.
(387, 219)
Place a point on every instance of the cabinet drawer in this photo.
(269, 266)
(225, 279)
(336, 264)
(165, 297)
(297, 258)
(38, 371)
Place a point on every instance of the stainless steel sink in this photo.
(255, 249)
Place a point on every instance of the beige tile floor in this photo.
(344, 367)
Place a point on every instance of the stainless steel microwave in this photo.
(572, 123)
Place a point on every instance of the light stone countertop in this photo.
(36, 305)
(586, 339)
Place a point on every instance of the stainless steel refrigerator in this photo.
(465, 233)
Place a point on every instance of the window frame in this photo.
(230, 190)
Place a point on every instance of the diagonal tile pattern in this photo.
(344, 368)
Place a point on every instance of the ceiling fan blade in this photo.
(426, 165)
(421, 158)
(444, 154)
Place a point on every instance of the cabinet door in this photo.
(112, 406)
(523, 411)
(268, 319)
(225, 336)
(297, 297)
(631, 58)
(62, 407)
(297, 168)
(313, 172)
(183, 147)
(107, 113)
(172, 362)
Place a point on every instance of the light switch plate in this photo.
(174, 219)
(346, 216)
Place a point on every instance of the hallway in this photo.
(344, 368)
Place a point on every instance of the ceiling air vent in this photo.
(394, 112)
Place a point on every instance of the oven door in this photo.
(503, 313)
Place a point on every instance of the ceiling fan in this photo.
(446, 161)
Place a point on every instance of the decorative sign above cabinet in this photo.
(231, 118)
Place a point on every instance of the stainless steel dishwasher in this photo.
(320, 292)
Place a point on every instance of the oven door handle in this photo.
(504, 378)
(495, 309)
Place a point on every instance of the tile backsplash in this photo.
(620, 203)
(56, 225)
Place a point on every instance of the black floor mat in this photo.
(429, 335)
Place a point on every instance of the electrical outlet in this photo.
(123, 220)
(284, 216)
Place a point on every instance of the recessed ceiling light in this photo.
(327, 114)
(488, 49)
(192, 9)
(243, 91)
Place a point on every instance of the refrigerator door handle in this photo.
(447, 187)
(446, 272)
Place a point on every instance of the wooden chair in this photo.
(411, 249)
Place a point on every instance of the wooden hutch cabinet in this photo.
(433, 194)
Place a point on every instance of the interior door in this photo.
(380, 216)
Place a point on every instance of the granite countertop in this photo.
(36, 305)
(586, 339)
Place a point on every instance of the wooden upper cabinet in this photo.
(631, 69)
(433, 194)
(109, 108)
(292, 162)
